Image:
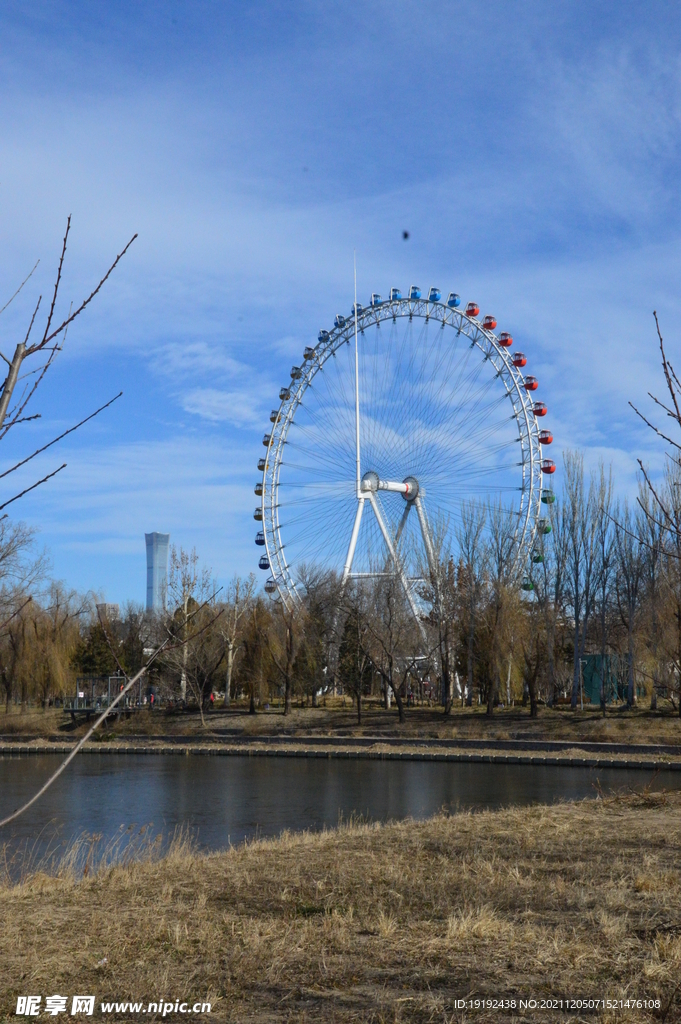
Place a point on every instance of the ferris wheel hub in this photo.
(408, 488)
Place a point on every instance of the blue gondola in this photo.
(339, 320)
(414, 293)
(376, 299)
(323, 336)
(453, 300)
(434, 295)
(263, 563)
(395, 294)
(260, 539)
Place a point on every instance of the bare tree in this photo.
(499, 560)
(580, 509)
(628, 580)
(286, 631)
(188, 586)
(237, 603)
(472, 561)
(605, 565)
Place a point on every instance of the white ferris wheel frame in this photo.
(292, 396)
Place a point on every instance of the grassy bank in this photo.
(638, 725)
(372, 923)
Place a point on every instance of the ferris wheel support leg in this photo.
(347, 568)
(427, 540)
(396, 562)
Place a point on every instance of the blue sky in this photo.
(531, 150)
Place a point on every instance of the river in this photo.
(224, 800)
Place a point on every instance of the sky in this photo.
(532, 151)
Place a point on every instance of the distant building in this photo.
(157, 570)
(109, 612)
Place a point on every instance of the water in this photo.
(225, 800)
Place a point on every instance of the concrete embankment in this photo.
(653, 757)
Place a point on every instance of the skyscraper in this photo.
(157, 570)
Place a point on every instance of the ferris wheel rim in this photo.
(329, 342)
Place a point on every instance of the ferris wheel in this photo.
(403, 413)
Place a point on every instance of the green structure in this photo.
(592, 673)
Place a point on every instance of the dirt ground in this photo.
(375, 923)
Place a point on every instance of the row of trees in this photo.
(605, 579)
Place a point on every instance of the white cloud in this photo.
(235, 407)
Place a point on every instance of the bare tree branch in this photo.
(33, 486)
(61, 436)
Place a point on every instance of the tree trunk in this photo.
(11, 379)
(398, 701)
(490, 698)
(630, 687)
(287, 695)
(359, 708)
(603, 658)
(230, 665)
(575, 668)
(508, 682)
(469, 695)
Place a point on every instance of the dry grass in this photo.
(371, 923)
(637, 726)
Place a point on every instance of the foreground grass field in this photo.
(638, 725)
(370, 923)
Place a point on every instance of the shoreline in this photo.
(366, 748)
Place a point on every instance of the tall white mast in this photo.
(359, 492)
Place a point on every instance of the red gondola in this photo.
(472, 309)
(545, 437)
(539, 409)
(548, 466)
(519, 359)
(531, 384)
(489, 323)
(505, 339)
